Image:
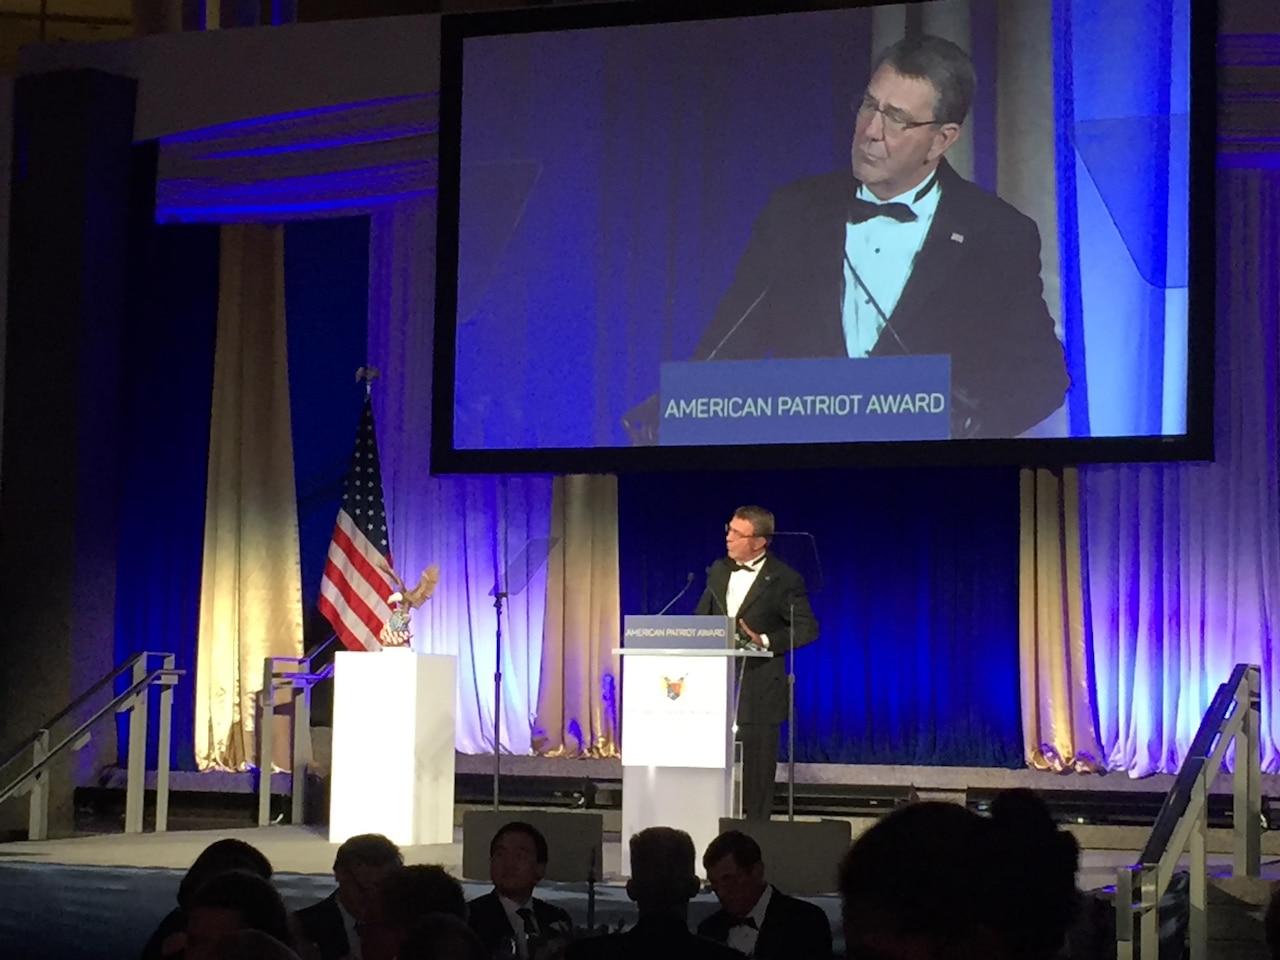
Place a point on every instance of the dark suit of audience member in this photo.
(662, 884)
(491, 920)
(169, 938)
(511, 914)
(755, 918)
(652, 938)
(361, 864)
(324, 925)
(935, 880)
(788, 928)
(769, 604)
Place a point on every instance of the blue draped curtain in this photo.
(170, 343)
(165, 427)
(1123, 137)
(917, 662)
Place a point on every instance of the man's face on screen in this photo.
(896, 144)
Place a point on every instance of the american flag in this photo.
(355, 586)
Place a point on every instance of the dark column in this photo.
(69, 241)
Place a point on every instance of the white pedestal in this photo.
(393, 746)
(691, 799)
(678, 693)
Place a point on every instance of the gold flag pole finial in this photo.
(367, 375)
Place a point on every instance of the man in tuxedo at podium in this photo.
(899, 255)
(769, 606)
(756, 918)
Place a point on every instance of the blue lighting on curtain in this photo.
(169, 344)
(1123, 154)
(326, 282)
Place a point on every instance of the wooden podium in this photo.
(393, 746)
(679, 694)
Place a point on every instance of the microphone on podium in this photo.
(683, 590)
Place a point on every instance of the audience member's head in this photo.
(442, 937)
(252, 945)
(361, 864)
(1271, 925)
(517, 860)
(936, 881)
(219, 857)
(228, 903)
(735, 871)
(663, 870)
(404, 900)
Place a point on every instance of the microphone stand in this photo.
(791, 714)
(813, 584)
(498, 597)
(737, 699)
(510, 581)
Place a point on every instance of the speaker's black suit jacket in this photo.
(777, 600)
(792, 930)
(974, 293)
(487, 918)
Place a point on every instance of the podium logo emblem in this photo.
(674, 687)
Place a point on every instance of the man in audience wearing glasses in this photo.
(360, 866)
(755, 917)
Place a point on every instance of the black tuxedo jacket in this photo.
(974, 293)
(652, 938)
(321, 923)
(792, 930)
(487, 918)
(777, 593)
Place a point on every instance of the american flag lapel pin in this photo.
(958, 237)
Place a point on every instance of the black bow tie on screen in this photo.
(743, 922)
(748, 567)
(860, 211)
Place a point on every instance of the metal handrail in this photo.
(134, 700)
(70, 708)
(168, 677)
(301, 681)
(1233, 714)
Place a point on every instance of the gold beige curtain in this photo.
(250, 592)
(1059, 729)
(578, 692)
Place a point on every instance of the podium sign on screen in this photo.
(826, 400)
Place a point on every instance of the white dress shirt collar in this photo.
(743, 938)
(922, 198)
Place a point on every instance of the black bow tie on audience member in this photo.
(860, 211)
(743, 922)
